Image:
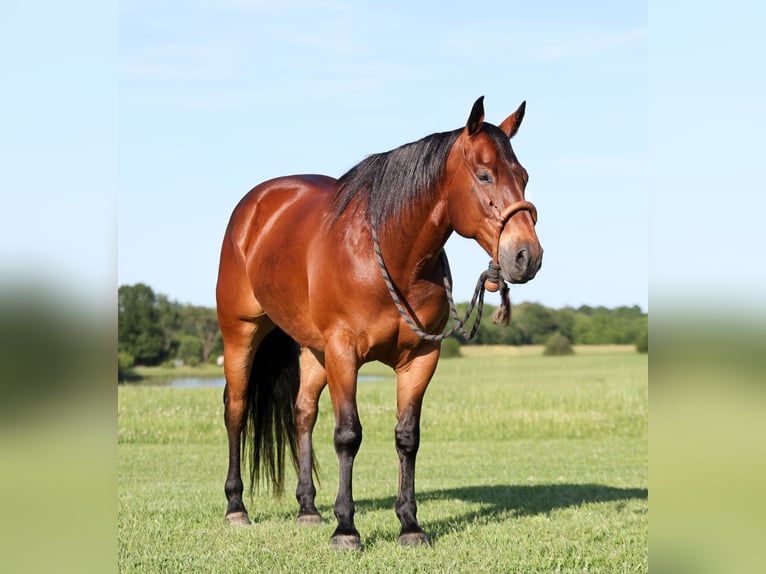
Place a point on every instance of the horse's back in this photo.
(293, 201)
(271, 198)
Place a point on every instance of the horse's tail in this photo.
(271, 394)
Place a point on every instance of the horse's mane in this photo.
(394, 181)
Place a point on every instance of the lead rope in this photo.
(491, 275)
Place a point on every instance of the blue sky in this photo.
(217, 96)
(129, 131)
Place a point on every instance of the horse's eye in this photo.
(484, 177)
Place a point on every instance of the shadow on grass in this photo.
(501, 502)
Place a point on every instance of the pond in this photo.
(188, 382)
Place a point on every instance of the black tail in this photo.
(271, 394)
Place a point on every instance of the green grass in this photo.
(527, 464)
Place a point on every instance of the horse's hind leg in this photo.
(241, 339)
(313, 381)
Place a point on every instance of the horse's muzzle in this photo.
(517, 249)
(521, 262)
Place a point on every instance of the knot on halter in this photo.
(492, 280)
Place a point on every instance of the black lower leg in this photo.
(348, 438)
(407, 443)
(234, 486)
(305, 493)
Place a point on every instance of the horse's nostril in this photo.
(522, 259)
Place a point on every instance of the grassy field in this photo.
(527, 464)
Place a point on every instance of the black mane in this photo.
(394, 181)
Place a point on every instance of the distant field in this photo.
(513, 351)
(207, 370)
(527, 464)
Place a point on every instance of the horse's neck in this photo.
(415, 242)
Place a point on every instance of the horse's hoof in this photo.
(238, 518)
(309, 519)
(413, 539)
(346, 542)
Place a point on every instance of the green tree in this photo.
(629, 321)
(602, 326)
(138, 329)
(564, 320)
(537, 322)
(582, 330)
(170, 323)
(190, 350)
(202, 323)
(558, 344)
(642, 341)
(125, 362)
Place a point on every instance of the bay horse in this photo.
(318, 276)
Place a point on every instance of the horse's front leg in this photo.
(313, 381)
(412, 380)
(342, 367)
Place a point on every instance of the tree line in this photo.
(535, 324)
(153, 329)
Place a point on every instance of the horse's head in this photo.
(485, 187)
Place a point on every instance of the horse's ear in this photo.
(476, 118)
(511, 124)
